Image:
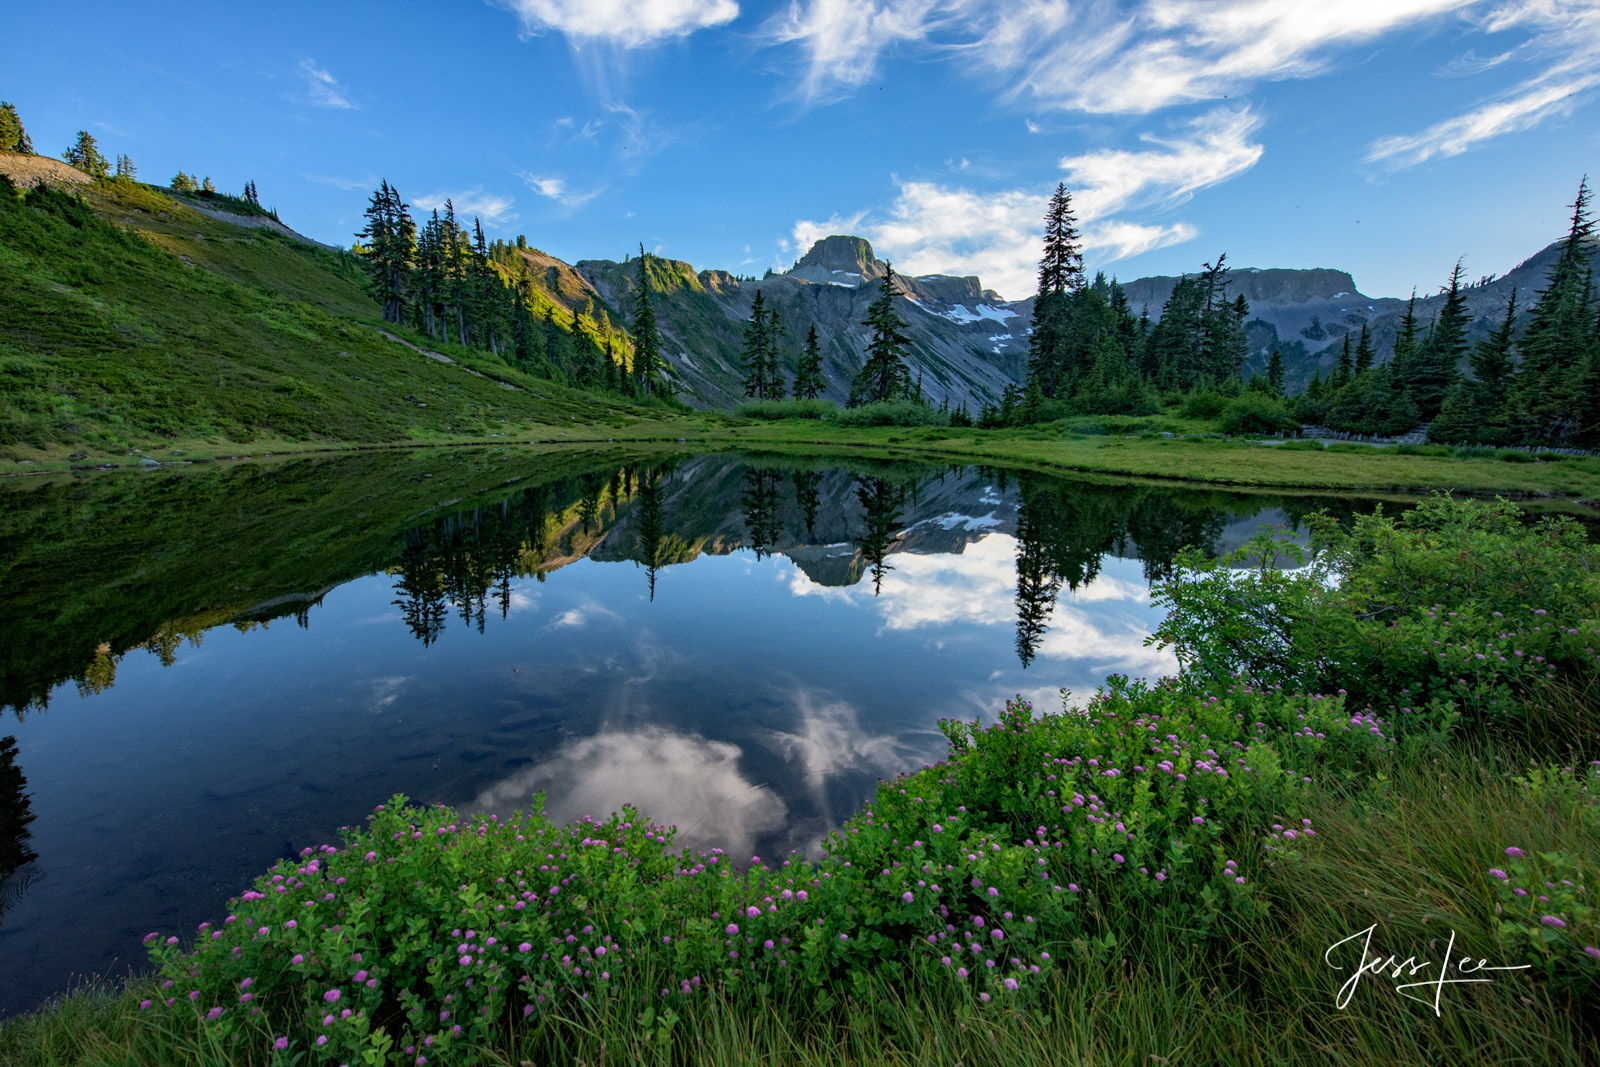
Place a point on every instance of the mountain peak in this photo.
(839, 259)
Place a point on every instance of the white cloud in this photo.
(844, 38)
(629, 23)
(1469, 63)
(322, 88)
(556, 188)
(1565, 37)
(1104, 59)
(347, 184)
(1095, 57)
(939, 229)
(1215, 147)
(673, 778)
(490, 207)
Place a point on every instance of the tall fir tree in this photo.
(1558, 336)
(1060, 275)
(1475, 411)
(1432, 367)
(646, 334)
(13, 138)
(84, 153)
(1275, 373)
(390, 244)
(1365, 354)
(808, 383)
(757, 353)
(884, 375)
(1344, 366)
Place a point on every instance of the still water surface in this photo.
(206, 670)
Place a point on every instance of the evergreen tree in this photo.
(1343, 368)
(1364, 352)
(1491, 359)
(390, 245)
(1223, 345)
(126, 171)
(251, 197)
(757, 353)
(84, 154)
(1173, 352)
(1559, 334)
(1060, 275)
(1275, 373)
(646, 335)
(1405, 341)
(1433, 366)
(884, 375)
(808, 383)
(207, 185)
(13, 138)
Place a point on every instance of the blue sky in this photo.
(1386, 137)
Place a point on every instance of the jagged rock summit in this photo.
(838, 260)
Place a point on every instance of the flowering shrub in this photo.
(425, 935)
(1454, 611)
(1548, 918)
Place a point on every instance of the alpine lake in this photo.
(206, 668)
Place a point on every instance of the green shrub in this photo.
(890, 413)
(1548, 915)
(1511, 455)
(1473, 452)
(1452, 612)
(1422, 450)
(774, 410)
(1256, 412)
(1205, 404)
(1353, 446)
(427, 933)
(1306, 445)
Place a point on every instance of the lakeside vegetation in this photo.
(1162, 871)
(1397, 736)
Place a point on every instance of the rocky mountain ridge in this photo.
(969, 343)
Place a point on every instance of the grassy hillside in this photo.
(131, 319)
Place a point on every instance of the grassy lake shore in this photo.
(1204, 459)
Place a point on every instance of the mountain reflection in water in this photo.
(213, 667)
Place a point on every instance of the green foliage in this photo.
(249, 334)
(84, 153)
(771, 410)
(1548, 916)
(13, 138)
(1257, 413)
(1452, 612)
(889, 413)
(1204, 404)
(884, 376)
(427, 933)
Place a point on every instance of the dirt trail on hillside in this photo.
(442, 358)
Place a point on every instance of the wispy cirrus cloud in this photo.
(490, 207)
(1208, 150)
(322, 88)
(1093, 57)
(347, 184)
(1564, 45)
(1105, 58)
(844, 39)
(628, 23)
(555, 187)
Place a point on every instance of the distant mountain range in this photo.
(968, 343)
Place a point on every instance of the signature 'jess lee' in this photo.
(1409, 968)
